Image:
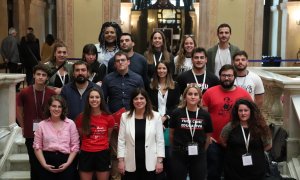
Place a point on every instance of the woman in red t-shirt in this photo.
(95, 125)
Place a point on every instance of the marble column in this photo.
(8, 101)
(111, 10)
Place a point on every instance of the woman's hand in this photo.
(63, 167)
(121, 167)
(159, 167)
(50, 168)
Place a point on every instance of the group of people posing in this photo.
(117, 114)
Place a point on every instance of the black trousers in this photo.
(183, 164)
(56, 159)
(35, 166)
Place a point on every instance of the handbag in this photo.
(272, 172)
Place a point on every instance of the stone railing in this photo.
(282, 102)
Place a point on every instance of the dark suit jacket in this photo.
(172, 99)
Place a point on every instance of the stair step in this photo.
(19, 162)
(20, 142)
(296, 163)
(16, 175)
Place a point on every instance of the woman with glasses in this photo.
(246, 138)
(95, 125)
(56, 142)
(141, 146)
(109, 41)
(97, 70)
(190, 130)
(164, 94)
(183, 60)
(61, 69)
(157, 52)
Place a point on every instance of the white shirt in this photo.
(222, 57)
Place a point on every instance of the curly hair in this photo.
(63, 104)
(118, 31)
(86, 114)
(256, 123)
(182, 53)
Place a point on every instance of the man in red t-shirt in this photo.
(30, 107)
(219, 101)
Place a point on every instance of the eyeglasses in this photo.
(120, 60)
(227, 75)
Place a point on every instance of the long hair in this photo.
(182, 53)
(118, 31)
(256, 123)
(148, 109)
(149, 53)
(170, 84)
(63, 104)
(56, 45)
(86, 114)
(183, 102)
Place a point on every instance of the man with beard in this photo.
(248, 80)
(219, 101)
(198, 74)
(75, 93)
(117, 87)
(221, 53)
(138, 62)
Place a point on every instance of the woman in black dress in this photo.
(246, 138)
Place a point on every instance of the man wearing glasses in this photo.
(219, 101)
(198, 73)
(221, 53)
(117, 87)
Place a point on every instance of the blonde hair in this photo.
(182, 103)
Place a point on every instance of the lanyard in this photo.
(62, 78)
(246, 140)
(92, 77)
(189, 120)
(158, 59)
(162, 102)
(35, 101)
(204, 78)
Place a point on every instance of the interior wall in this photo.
(293, 31)
(232, 12)
(87, 23)
(3, 21)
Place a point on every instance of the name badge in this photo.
(35, 124)
(192, 149)
(247, 160)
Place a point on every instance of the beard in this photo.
(80, 79)
(227, 86)
(240, 68)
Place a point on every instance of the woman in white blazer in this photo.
(141, 147)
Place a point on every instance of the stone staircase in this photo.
(293, 167)
(16, 163)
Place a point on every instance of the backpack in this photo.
(279, 145)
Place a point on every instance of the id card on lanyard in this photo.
(246, 158)
(196, 80)
(192, 146)
(37, 119)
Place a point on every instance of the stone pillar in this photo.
(284, 21)
(274, 30)
(207, 23)
(8, 101)
(125, 17)
(65, 24)
(111, 10)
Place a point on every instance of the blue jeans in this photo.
(215, 161)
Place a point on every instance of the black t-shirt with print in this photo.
(180, 123)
